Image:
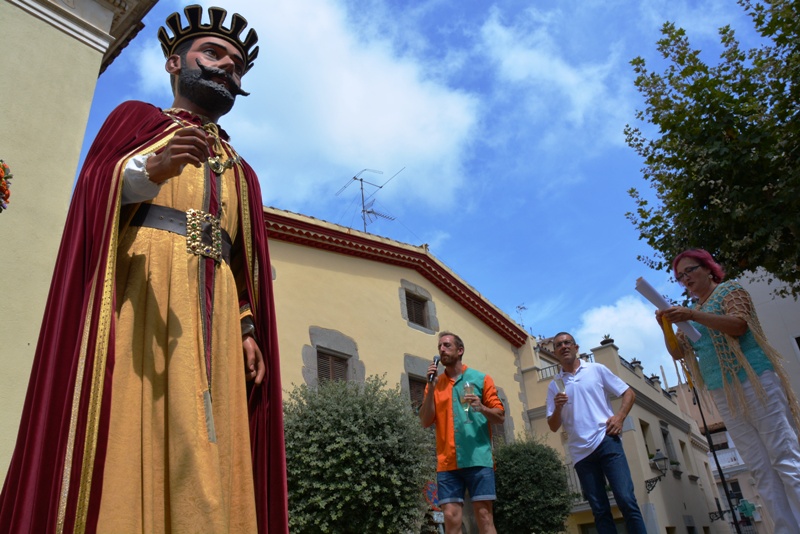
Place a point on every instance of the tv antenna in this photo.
(368, 213)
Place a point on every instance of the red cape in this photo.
(56, 472)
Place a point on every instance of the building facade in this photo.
(780, 319)
(53, 52)
(351, 304)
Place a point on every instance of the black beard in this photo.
(198, 87)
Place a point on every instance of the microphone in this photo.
(432, 376)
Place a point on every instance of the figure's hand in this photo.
(187, 147)
(614, 425)
(560, 399)
(254, 366)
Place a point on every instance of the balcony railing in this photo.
(627, 365)
(552, 370)
(727, 458)
(548, 372)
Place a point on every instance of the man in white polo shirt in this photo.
(593, 433)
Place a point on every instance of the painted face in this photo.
(210, 75)
(449, 351)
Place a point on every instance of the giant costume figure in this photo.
(138, 416)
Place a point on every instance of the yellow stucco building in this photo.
(53, 51)
(352, 304)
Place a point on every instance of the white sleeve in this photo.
(136, 184)
(611, 382)
(550, 403)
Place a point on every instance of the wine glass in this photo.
(560, 385)
(469, 389)
(562, 388)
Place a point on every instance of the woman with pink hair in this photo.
(744, 376)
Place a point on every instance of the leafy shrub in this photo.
(357, 459)
(532, 491)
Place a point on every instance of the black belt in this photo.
(204, 236)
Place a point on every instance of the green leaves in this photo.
(357, 459)
(532, 491)
(724, 168)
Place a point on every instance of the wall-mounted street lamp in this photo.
(661, 462)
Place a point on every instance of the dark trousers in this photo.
(608, 461)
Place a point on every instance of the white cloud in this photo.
(701, 20)
(326, 104)
(631, 322)
(153, 79)
(564, 93)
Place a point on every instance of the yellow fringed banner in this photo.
(673, 345)
(687, 374)
(669, 335)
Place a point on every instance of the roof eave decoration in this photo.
(354, 243)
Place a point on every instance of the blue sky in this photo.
(505, 117)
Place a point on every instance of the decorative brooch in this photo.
(218, 166)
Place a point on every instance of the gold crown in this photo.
(214, 28)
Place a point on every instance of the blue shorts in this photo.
(478, 480)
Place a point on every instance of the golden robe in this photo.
(178, 456)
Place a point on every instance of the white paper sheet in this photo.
(649, 292)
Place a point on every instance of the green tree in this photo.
(357, 459)
(724, 166)
(532, 490)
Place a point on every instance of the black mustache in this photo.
(212, 72)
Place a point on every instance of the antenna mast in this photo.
(367, 212)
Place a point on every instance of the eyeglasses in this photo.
(565, 343)
(689, 270)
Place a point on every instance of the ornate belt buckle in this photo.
(203, 234)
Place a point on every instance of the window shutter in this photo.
(416, 309)
(416, 390)
(330, 367)
(339, 371)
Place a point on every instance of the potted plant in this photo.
(606, 339)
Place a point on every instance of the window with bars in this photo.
(416, 309)
(331, 367)
(416, 390)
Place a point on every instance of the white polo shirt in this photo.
(588, 408)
